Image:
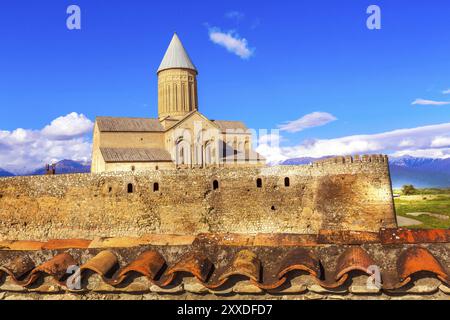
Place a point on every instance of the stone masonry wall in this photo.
(339, 193)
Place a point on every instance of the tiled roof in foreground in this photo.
(332, 263)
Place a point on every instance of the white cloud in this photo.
(273, 138)
(232, 42)
(24, 150)
(235, 15)
(432, 140)
(439, 153)
(441, 141)
(425, 102)
(446, 91)
(71, 125)
(273, 154)
(315, 119)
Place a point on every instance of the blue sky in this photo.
(303, 57)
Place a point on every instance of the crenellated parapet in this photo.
(367, 158)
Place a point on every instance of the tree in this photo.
(408, 189)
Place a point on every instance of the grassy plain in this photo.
(422, 203)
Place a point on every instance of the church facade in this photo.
(181, 137)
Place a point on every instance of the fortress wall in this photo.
(341, 193)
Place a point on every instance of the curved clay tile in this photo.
(56, 267)
(103, 262)
(148, 263)
(18, 267)
(245, 263)
(354, 258)
(299, 259)
(194, 263)
(269, 286)
(416, 259)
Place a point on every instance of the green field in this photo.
(429, 206)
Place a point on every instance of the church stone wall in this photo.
(139, 166)
(132, 139)
(341, 193)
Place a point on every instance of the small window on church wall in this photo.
(215, 185)
(155, 187)
(286, 182)
(133, 168)
(259, 183)
(130, 188)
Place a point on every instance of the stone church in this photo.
(181, 137)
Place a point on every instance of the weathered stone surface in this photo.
(361, 286)
(18, 297)
(176, 289)
(314, 296)
(246, 287)
(410, 297)
(46, 288)
(445, 289)
(10, 286)
(318, 289)
(134, 287)
(221, 291)
(294, 288)
(421, 286)
(55, 297)
(363, 289)
(192, 285)
(337, 297)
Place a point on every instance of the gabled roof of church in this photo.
(135, 154)
(176, 56)
(225, 125)
(113, 124)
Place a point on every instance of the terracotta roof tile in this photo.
(195, 263)
(418, 259)
(102, 263)
(245, 263)
(148, 264)
(300, 259)
(18, 267)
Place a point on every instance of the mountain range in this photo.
(420, 172)
(62, 167)
(4, 173)
(66, 166)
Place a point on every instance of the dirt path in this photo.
(403, 221)
(434, 215)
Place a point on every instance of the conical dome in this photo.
(176, 56)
